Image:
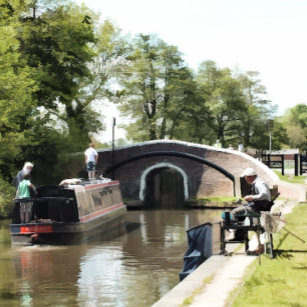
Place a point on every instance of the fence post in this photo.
(301, 164)
(295, 164)
(283, 165)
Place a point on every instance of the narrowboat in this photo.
(69, 214)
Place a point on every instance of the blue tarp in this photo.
(200, 248)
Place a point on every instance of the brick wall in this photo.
(203, 180)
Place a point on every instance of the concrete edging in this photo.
(226, 273)
(213, 281)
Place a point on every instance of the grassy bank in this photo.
(213, 202)
(291, 178)
(280, 281)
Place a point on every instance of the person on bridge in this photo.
(258, 200)
(91, 159)
(218, 144)
(241, 147)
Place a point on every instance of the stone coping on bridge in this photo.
(255, 162)
(189, 144)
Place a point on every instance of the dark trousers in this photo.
(257, 206)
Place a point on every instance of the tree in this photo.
(258, 110)
(223, 96)
(189, 117)
(295, 122)
(156, 90)
(16, 105)
(106, 65)
(16, 88)
(58, 43)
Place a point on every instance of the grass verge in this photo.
(189, 300)
(280, 281)
(290, 178)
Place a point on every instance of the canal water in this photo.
(135, 269)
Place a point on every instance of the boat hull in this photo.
(107, 219)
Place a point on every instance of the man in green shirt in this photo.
(24, 192)
(24, 188)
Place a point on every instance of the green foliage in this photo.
(157, 90)
(45, 50)
(291, 179)
(221, 92)
(7, 193)
(52, 150)
(16, 88)
(56, 43)
(295, 123)
(258, 110)
(58, 63)
(279, 135)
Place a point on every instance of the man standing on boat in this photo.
(23, 191)
(91, 159)
(26, 170)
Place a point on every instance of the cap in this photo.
(249, 172)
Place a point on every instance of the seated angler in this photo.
(258, 200)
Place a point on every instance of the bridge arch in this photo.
(205, 171)
(163, 165)
(172, 153)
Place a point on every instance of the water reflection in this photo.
(135, 269)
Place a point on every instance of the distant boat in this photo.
(69, 214)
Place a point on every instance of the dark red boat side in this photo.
(69, 214)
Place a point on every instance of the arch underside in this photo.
(171, 153)
(163, 165)
(174, 154)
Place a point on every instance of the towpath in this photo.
(212, 283)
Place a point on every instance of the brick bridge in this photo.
(164, 172)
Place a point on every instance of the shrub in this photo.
(7, 193)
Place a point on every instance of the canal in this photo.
(135, 269)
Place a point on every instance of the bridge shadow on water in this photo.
(164, 189)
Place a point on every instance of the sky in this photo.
(268, 36)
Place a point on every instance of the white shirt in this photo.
(261, 190)
(90, 154)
